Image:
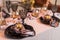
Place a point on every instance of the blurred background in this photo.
(2, 2)
(53, 1)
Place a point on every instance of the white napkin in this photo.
(57, 15)
(29, 33)
(3, 27)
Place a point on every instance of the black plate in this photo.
(54, 23)
(10, 33)
(44, 21)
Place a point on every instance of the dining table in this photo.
(35, 23)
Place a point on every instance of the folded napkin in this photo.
(57, 15)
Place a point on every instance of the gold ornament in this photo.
(47, 17)
(19, 25)
(35, 14)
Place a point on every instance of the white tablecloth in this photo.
(38, 27)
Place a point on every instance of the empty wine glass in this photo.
(8, 3)
(14, 7)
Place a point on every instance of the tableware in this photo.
(17, 31)
(54, 23)
(46, 19)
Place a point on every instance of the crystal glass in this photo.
(14, 7)
(54, 9)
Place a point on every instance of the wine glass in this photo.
(14, 7)
(8, 3)
(54, 9)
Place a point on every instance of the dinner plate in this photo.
(11, 33)
(45, 21)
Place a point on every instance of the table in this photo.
(36, 24)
